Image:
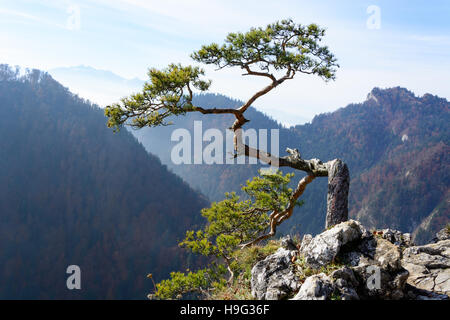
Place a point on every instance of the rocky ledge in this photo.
(347, 262)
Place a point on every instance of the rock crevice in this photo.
(346, 262)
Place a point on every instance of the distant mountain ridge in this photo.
(395, 144)
(102, 86)
(397, 148)
(93, 72)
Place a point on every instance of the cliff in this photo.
(349, 262)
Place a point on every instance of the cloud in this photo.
(206, 19)
(30, 17)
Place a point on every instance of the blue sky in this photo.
(409, 45)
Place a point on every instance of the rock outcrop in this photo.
(273, 278)
(429, 268)
(444, 234)
(396, 237)
(324, 248)
(317, 287)
(337, 197)
(347, 262)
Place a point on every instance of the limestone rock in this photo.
(317, 287)
(379, 272)
(323, 248)
(387, 255)
(273, 277)
(431, 256)
(442, 235)
(397, 237)
(429, 268)
(305, 241)
(345, 283)
(383, 265)
(287, 243)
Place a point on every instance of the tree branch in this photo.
(277, 217)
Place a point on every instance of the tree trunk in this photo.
(337, 198)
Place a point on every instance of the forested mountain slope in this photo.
(397, 147)
(74, 193)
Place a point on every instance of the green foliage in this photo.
(303, 271)
(169, 92)
(230, 223)
(243, 262)
(283, 45)
(270, 191)
(198, 282)
(211, 283)
(245, 259)
(335, 296)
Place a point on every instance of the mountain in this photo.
(395, 144)
(74, 193)
(101, 86)
(397, 147)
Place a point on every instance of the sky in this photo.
(377, 43)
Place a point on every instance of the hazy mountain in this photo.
(395, 144)
(74, 193)
(100, 86)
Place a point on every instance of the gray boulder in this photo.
(345, 283)
(287, 243)
(397, 237)
(442, 235)
(379, 272)
(382, 265)
(429, 268)
(317, 287)
(374, 263)
(338, 285)
(324, 248)
(346, 274)
(305, 241)
(273, 278)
